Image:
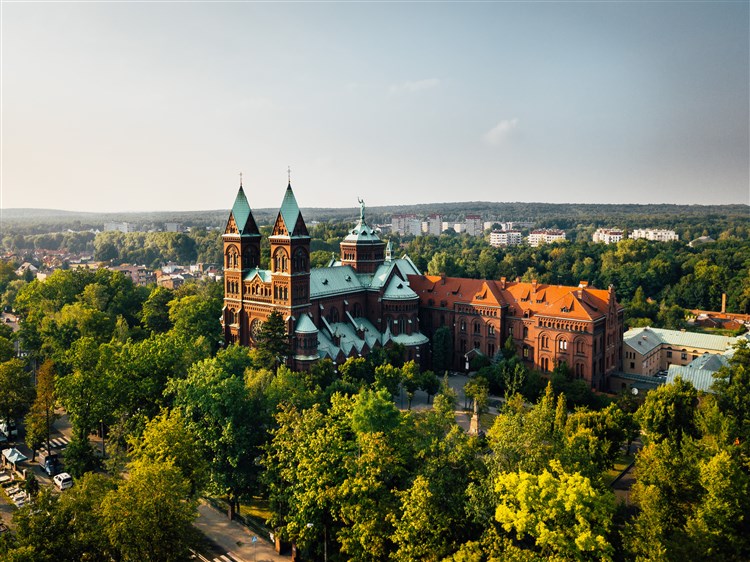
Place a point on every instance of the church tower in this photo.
(241, 240)
(290, 259)
(362, 248)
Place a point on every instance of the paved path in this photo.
(234, 538)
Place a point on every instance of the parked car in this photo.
(50, 464)
(8, 427)
(63, 481)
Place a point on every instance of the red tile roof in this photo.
(578, 303)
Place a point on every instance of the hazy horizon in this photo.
(145, 107)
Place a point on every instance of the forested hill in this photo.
(564, 215)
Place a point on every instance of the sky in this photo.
(159, 106)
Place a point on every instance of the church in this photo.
(367, 299)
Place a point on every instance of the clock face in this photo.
(255, 328)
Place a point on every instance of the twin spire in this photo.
(289, 213)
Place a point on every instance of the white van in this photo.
(63, 481)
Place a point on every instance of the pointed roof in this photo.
(243, 215)
(362, 233)
(290, 214)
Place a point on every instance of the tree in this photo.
(669, 412)
(442, 349)
(718, 527)
(16, 391)
(197, 316)
(430, 383)
(410, 380)
(388, 377)
(155, 311)
(373, 412)
(66, 526)
(80, 457)
(562, 513)
(477, 391)
(167, 438)
(42, 414)
(217, 408)
(85, 393)
(149, 516)
(273, 338)
(732, 385)
(422, 530)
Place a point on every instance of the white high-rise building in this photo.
(545, 236)
(655, 234)
(474, 225)
(608, 235)
(505, 238)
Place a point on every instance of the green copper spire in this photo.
(242, 214)
(290, 213)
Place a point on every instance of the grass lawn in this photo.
(620, 464)
(257, 508)
(486, 420)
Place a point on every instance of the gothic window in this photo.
(491, 330)
(333, 316)
(357, 310)
(525, 332)
(477, 328)
(525, 352)
(300, 260)
(463, 325)
(545, 342)
(491, 350)
(563, 344)
(402, 324)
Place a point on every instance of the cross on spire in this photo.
(289, 174)
(240, 179)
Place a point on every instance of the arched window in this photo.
(402, 324)
(525, 332)
(333, 316)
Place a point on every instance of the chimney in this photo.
(442, 277)
(502, 283)
(723, 303)
(533, 285)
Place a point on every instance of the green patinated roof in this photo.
(243, 215)
(305, 325)
(264, 274)
(327, 281)
(416, 338)
(362, 234)
(398, 289)
(701, 379)
(290, 212)
(679, 339)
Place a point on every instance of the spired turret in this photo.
(362, 249)
(290, 257)
(241, 240)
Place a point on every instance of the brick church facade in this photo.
(366, 299)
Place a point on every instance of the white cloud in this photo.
(414, 86)
(500, 132)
